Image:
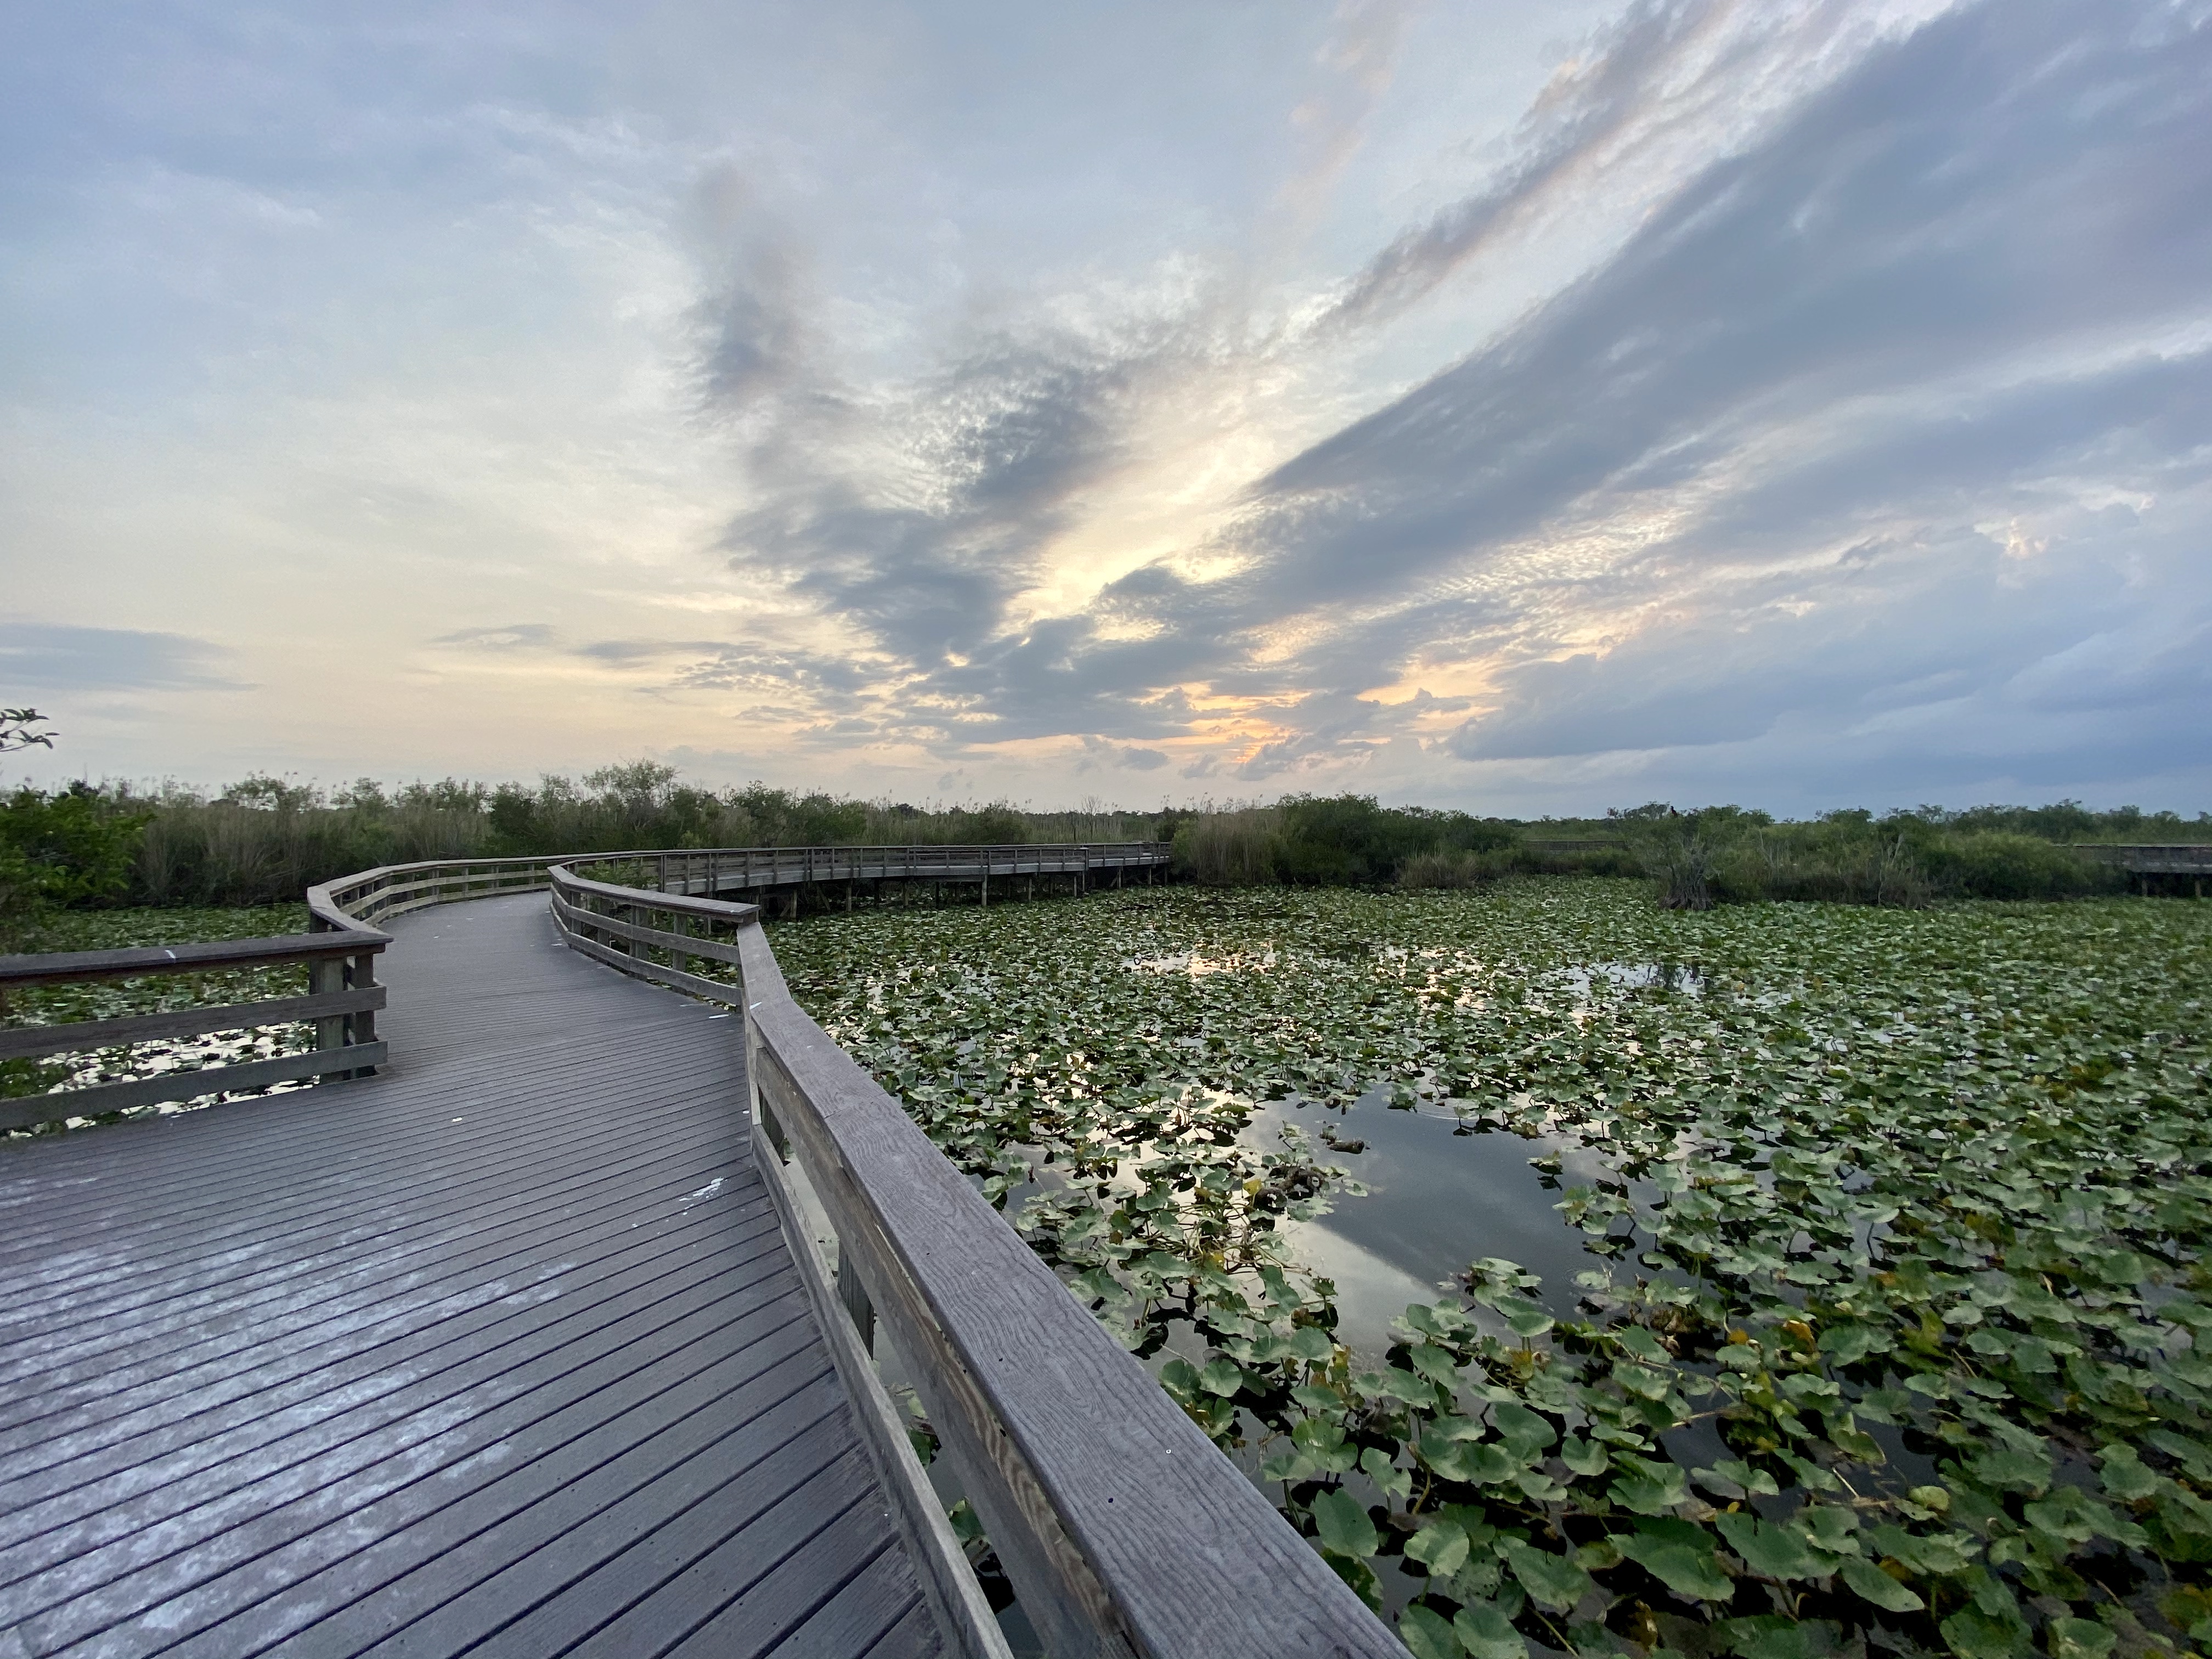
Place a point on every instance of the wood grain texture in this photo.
(33, 1039)
(410, 1362)
(99, 1097)
(960, 1610)
(67, 967)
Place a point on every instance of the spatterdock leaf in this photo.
(1680, 1556)
(1485, 1633)
(1870, 1584)
(1426, 1635)
(1221, 1376)
(1766, 1549)
(1344, 1526)
(1440, 1547)
(1554, 1580)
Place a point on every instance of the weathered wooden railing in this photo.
(1124, 1530)
(393, 890)
(719, 870)
(339, 953)
(342, 997)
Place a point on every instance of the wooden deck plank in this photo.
(650, 1599)
(443, 1345)
(423, 1140)
(914, 1637)
(291, 1564)
(147, 1569)
(402, 1262)
(284, 1454)
(332, 1372)
(778, 1616)
(155, 1343)
(407, 1574)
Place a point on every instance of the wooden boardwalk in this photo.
(501, 1352)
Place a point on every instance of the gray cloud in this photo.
(1003, 439)
(37, 660)
(1098, 754)
(1937, 300)
(510, 637)
(1782, 352)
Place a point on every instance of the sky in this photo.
(1527, 408)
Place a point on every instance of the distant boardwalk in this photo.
(500, 1352)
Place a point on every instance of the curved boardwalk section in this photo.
(501, 1352)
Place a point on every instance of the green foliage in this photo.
(1724, 854)
(1897, 1237)
(1341, 840)
(75, 847)
(18, 730)
(265, 839)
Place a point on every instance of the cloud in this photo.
(1859, 333)
(37, 659)
(1727, 477)
(510, 636)
(1098, 754)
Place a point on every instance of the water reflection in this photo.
(1437, 1199)
(1635, 976)
(1198, 965)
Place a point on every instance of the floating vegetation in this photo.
(1895, 1227)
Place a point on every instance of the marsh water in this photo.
(1438, 1196)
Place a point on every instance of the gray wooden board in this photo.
(331, 1372)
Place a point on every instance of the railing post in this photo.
(854, 1297)
(326, 974)
(363, 973)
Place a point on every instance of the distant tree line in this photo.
(265, 839)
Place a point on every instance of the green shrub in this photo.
(1353, 840)
(75, 847)
(1460, 867)
(1235, 848)
(1996, 864)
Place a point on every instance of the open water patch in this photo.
(1439, 1195)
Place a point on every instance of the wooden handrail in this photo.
(339, 952)
(343, 998)
(1125, 1530)
(64, 967)
(341, 947)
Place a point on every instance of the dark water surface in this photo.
(1438, 1198)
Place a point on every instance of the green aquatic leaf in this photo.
(1741, 1475)
(1871, 1583)
(1440, 1547)
(2123, 1475)
(1221, 1376)
(1967, 1134)
(1680, 1556)
(1770, 1550)
(1648, 1487)
(1427, 1634)
(1485, 1633)
(2079, 1639)
(1584, 1457)
(1551, 1580)
(2007, 1468)
(1972, 1634)
(1344, 1526)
